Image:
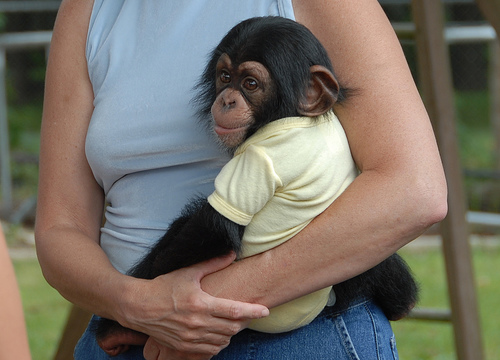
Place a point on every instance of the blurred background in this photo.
(475, 59)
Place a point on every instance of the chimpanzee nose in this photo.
(229, 98)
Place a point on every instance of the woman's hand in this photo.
(182, 318)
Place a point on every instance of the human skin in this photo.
(13, 338)
(400, 192)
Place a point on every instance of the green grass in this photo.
(476, 140)
(417, 340)
(430, 340)
(24, 127)
(24, 140)
(45, 310)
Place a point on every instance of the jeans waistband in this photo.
(335, 310)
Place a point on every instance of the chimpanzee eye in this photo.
(225, 77)
(250, 84)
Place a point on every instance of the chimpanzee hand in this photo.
(186, 321)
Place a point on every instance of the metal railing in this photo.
(29, 6)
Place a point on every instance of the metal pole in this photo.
(5, 175)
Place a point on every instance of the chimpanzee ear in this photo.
(321, 94)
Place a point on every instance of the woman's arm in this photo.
(70, 202)
(70, 210)
(13, 337)
(401, 190)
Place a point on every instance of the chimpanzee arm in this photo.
(199, 234)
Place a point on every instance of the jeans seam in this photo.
(335, 312)
(252, 348)
(345, 337)
(375, 329)
(394, 348)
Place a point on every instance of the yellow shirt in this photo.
(280, 179)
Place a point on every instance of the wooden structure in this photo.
(75, 326)
(438, 95)
(435, 72)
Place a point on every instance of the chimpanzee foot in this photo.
(119, 342)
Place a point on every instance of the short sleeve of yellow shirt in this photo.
(245, 185)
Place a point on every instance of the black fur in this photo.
(287, 50)
(390, 284)
(199, 234)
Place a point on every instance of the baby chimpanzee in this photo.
(269, 90)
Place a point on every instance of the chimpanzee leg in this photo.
(390, 284)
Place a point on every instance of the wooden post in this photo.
(436, 83)
(491, 11)
(75, 326)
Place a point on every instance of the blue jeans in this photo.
(358, 333)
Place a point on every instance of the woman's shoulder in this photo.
(73, 19)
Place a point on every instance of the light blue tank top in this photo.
(144, 144)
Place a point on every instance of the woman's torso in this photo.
(145, 145)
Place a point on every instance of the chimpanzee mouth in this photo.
(219, 130)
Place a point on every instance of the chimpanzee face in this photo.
(241, 90)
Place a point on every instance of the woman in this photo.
(117, 127)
